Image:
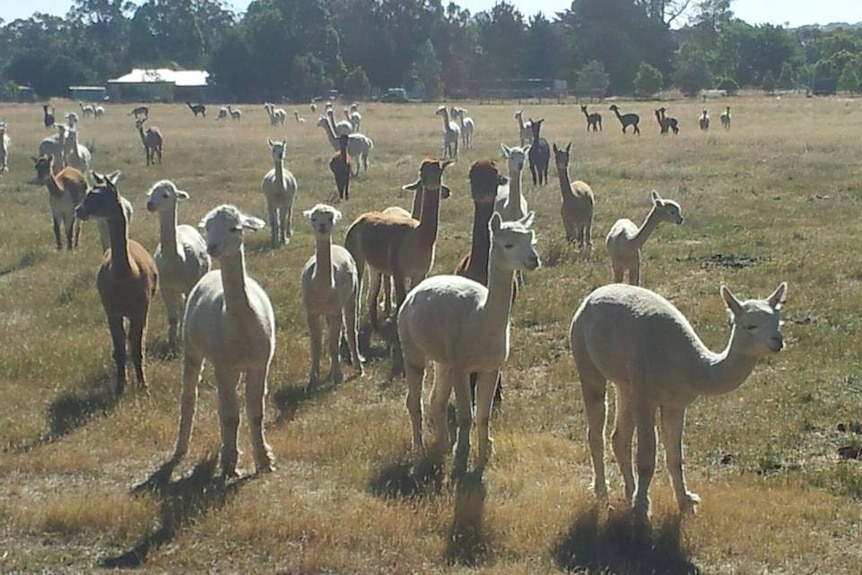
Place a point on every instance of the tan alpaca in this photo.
(576, 210)
(66, 189)
(625, 240)
(152, 141)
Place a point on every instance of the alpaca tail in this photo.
(352, 245)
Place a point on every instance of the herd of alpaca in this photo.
(621, 332)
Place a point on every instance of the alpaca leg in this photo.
(486, 384)
(619, 272)
(315, 333)
(333, 323)
(173, 305)
(351, 321)
(57, 234)
(593, 390)
(192, 368)
(414, 371)
(645, 425)
(137, 335)
(635, 273)
(286, 219)
(255, 395)
(672, 422)
(76, 223)
(70, 232)
(621, 439)
(374, 288)
(227, 380)
(373, 293)
(588, 234)
(274, 232)
(118, 340)
(438, 403)
(461, 382)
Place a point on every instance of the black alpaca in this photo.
(48, 118)
(666, 122)
(627, 119)
(197, 109)
(539, 154)
(594, 120)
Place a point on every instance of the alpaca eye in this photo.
(751, 327)
(509, 246)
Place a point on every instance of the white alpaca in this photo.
(451, 134)
(525, 129)
(359, 146)
(648, 349)
(353, 116)
(235, 115)
(55, 146)
(98, 112)
(463, 327)
(299, 119)
(510, 203)
(181, 256)
(5, 144)
(229, 321)
(279, 187)
(329, 283)
(276, 115)
(71, 120)
(467, 126)
(77, 155)
(222, 114)
(341, 128)
(87, 109)
(625, 240)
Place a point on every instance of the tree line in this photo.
(297, 49)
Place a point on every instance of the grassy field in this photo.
(776, 198)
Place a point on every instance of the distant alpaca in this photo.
(510, 202)
(627, 120)
(77, 155)
(329, 283)
(87, 110)
(340, 166)
(66, 189)
(5, 144)
(140, 111)
(594, 120)
(725, 118)
(342, 127)
(47, 117)
(279, 188)
(525, 132)
(299, 119)
(229, 321)
(222, 114)
(463, 326)
(648, 349)
(397, 246)
(127, 279)
(277, 115)
(576, 211)
(359, 146)
(235, 115)
(71, 120)
(152, 141)
(353, 116)
(666, 123)
(451, 134)
(197, 109)
(625, 240)
(539, 154)
(98, 112)
(181, 256)
(467, 126)
(703, 121)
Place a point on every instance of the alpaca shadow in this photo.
(80, 283)
(291, 396)
(182, 501)
(467, 542)
(158, 348)
(406, 479)
(29, 259)
(622, 546)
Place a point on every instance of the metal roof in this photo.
(155, 75)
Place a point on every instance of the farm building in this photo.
(160, 85)
(87, 93)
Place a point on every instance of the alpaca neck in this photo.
(481, 243)
(726, 371)
(322, 278)
(143, 136)
(565, 183)
(521, 121)
(53, 184)
(233, 279)
(330, 132)
(619, 116)
(429, 220)
(648, 226)
(498, 303)
(416, 206)
(278, 165)
(168, 233)
(118, 233)
(515, 186)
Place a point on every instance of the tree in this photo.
(356, 84)
(787, 77)
(768, 82)
(593, 80)
(848, 81)
(692, 73)
(648, 81)
(426, 72)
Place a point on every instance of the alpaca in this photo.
(277, 115)
(594, 120)
(627, 120)
(197, 109)
(76, 155)
(66, 189)
(576, 211)
(341, 168)
(353, 116)
(181, 256)
(55, 146)
(725, 118)
(648, 349)
(47, 117)
(510, 202)
(463, 326)
(400, 247)
(358, 146)
(98, 112)
(342, 127)
(467, 126)
(525, 132)
(299, 119)
(222, 114)
(540, 154)
(235, 115)
(279, 188)
(451, 134)
(87, 110)
(71, 120)
(625, 240)
(140, 111)
(703, 121)
(666, 123)
(329, 283)
(152, 140)
(127, 278)
(5, 144)
(229, 321)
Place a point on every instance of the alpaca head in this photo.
(536, 126)
(613, 108)
(44, 166)
(163, 197)
(484, 180)
(224, 226)
(322, 219)
(583, 108)
(442, 111)
(515, 157)
(561, 157)
(431, 173)
(139, 123)
(666, 210)
(103, 201)
(513, 244)
(278, 149)
(756, 322)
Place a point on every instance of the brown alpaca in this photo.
(395, 245)
(152, 141)
(127, 279)
(66, 189)
(578, 201)
(341, 167)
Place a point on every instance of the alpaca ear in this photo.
(496, 223)
(527, 148)
(502, 180)
(556, 149)
(730, 301)
(527, 220)
(569, 148)
(656, 199)
(777, 297)
(269, 142)
(182, 195)
(445, 192)
(114, 177)
(506, 150)
(252, 223)
(307, 213)
(336, 215)
(446, 163)
(100, 179)
(412, 187)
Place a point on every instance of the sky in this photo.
(792, 13)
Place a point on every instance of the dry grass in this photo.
(774, 199)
